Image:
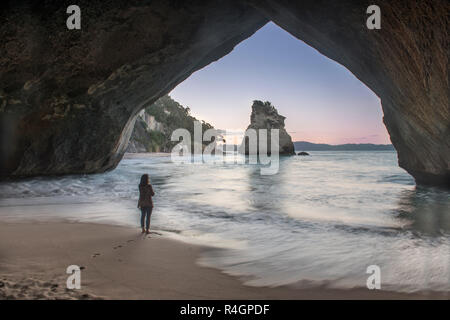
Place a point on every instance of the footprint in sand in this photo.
(95, 255)
(117, 247)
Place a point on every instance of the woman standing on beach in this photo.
(145, 202)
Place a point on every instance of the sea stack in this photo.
(265, 116)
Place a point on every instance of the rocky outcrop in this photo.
(155, 124)
(69, 98)
(265, 116)
(143, 139)
(405, 63)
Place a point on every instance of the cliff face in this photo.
(154, 126)
(405, 63)
(265, 116)
(69, 98)
(145, 139)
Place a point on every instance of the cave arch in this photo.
(68, 98)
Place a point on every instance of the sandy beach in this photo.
(120, 263)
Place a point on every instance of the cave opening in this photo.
(156, 46)
(323, 102)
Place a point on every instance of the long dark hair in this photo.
(144, 180)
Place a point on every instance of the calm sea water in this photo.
(322, 219)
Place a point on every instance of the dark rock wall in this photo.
(68, 99)
(405, 63)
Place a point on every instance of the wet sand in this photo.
(120, 263)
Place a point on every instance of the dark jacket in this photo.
(145, 196)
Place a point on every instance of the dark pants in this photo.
(146, 212)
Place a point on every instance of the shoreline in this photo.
(137, 155)
(118, 262)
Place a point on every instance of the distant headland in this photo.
(309, 146)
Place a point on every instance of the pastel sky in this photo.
(322, 101)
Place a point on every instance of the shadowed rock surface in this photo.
(69, 98)
(405, 63)
(265, 116)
